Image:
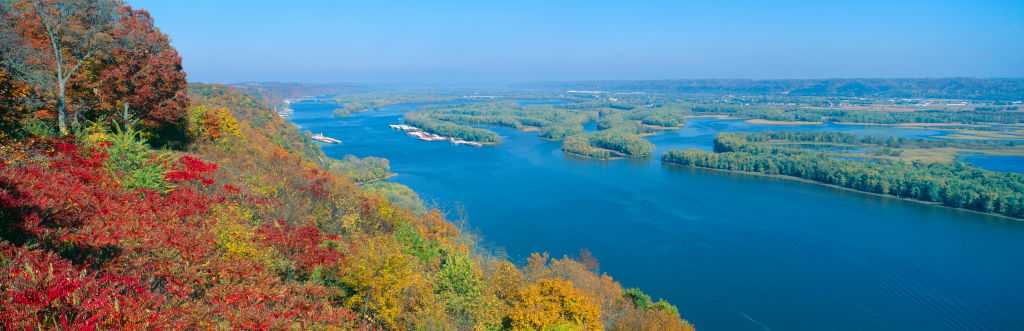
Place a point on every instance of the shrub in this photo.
(361, 170)
(639, 299)
(36, 127)
(211, 124)
(134, 163)
(553, 304)
(460, 287)
(398, 194)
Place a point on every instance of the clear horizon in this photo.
(445, 42)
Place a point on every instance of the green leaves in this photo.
(956, 185)
(460, 286)
(136, 165)
(414, 244)
(639, 299)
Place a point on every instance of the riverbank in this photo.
(810, 181)
(759, 121)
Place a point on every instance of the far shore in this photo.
(718, 117)
(909, 124)
(759, 121)
(808, 181)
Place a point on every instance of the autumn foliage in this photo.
(89, 60)
(142, 71)
(246, 227)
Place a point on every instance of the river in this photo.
(733, 252)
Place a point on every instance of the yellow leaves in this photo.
(650, 319)
(264, 187)
(504, 279)
(537, 266)
(214, 124)
(349, 222)
(553, 303)
(96, 133)
(385, 211)
(386, 282)
(236, 237)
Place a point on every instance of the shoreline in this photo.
(910, 125)
(430, 136)
(617, 156)
(809, 181)
(759, 121)
(375, 180)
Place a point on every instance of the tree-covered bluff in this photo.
(239, 221)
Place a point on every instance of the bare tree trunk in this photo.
(61, 110)
(124, 115)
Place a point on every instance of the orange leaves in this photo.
(551, 303)
(13, 94)
(212, 124)
(143, 71)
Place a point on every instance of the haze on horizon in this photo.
(492, 42)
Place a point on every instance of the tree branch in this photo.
(77, 65)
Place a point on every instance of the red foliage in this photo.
(318, 184)
(82, 253)
(41, 288)
(302, 245)
(231, 189)
(191, 168)
(143, 70)
(110, 56)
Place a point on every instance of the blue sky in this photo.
(512, 41)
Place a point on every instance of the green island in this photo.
(449, 129)
(551, 122)
(883, 169)
(607, 145)
(362, 101)
(620, 131)
(622, 119)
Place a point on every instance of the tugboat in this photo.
(325, 139)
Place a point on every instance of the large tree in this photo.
(142, 73)
(94, 59)
(57, 38)
(12, 105)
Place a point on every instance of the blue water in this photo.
(1002, 163)
(733, 252)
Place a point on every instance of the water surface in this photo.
(734, 252)
(1005, 163)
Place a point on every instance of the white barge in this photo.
(325, 139)
(427, 136)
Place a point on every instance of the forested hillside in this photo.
(132, 200)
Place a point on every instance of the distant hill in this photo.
(942, 88)
(275, 92)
